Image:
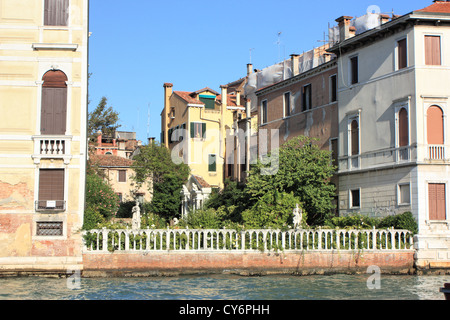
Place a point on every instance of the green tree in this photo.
(305, 171)
(101, 202)
(103, 119)
(154, 162)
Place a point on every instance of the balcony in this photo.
(436, 152)
(52, 147)
(50, 205)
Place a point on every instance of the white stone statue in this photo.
(136, 221)
(297, 217)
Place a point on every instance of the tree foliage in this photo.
(103, 119)
(305, 171)
(154, 162)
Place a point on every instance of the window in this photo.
(334, 151)
(306, 98)
(264, 112)
(333, 88)
(54, 103)
(403, 128)
(287, 104)
(49, 228)
(209, 101)
(354, 70)
(122, 176)
(56, 13)
(404, 194)
(435, 125)
(198, 129)
(436, 201)
(402, 55)
(433, 50)
(120, 195)
(51, 189)
(355, 201)
(212, 163)
(354, 138)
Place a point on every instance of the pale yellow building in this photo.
(195, 126)
(43, 106)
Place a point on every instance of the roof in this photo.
(201, 182)
(110, 161)
(437, 7)
(186, 96)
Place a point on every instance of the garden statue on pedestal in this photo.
(136, 221)
(297, 217)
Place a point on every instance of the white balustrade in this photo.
(224, 240)
(436, 152)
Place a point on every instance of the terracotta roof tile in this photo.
(437, 7)
(110, 161)
(186, 96)
(201, 181)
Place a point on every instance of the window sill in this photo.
(55, 46)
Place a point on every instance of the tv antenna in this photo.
(251, 54)
(148, 121)
(278, 44)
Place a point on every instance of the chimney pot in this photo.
(344, 27)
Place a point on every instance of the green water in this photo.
(225, 287)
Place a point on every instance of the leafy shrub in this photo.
(273, 210)
(401, 221)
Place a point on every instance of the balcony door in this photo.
(435, 133)
(54, 103)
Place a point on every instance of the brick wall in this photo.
(173, 263)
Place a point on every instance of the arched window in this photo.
(355, 137)
(403, 128)
(435, 125)
(54, 103)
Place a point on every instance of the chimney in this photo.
(224, 95)
(344, 27)
(294, 64)
(384, 18)
(249, 69)
(238, 97)
(168, 89)
(352, 31)
(151, 140)
(99, 138)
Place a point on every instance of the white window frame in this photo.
(284, 104)
(330, 91)
(396, 66)
(350, 198)
(399, 198)
(264, 112)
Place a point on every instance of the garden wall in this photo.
(170, 263)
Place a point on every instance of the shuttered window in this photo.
(287, 104)
(209, 101)
(333, 88)
(54, 103)
(435, 125)
(355, 137)
(402, 54)
(212, 163)
(122, 176)
(436, 201)
(433, 50)
(307, 99)
(56, 12)
(51, 189)
(264, 112)
(198, 129)
(354, 70)
(403, 129)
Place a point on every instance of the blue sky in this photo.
(138, 45)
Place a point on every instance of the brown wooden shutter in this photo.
(355, 137)
(54, 103)
(56, 12)
(51, 184)
(435, 125)
(436, 201)
(433, 50)
(402, 54)
(354, 70)
(403, 128)
(122, 176)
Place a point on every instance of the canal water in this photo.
(227, 287)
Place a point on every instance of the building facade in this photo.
(43, 148)
(393, 96)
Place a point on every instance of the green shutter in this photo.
(212, 163)
(209, 101)
(192, 130)
(204, 130)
